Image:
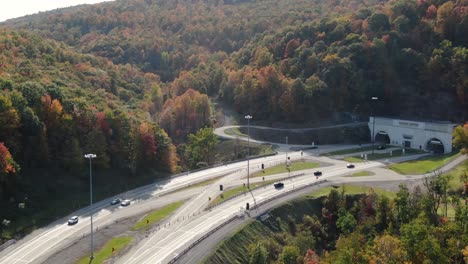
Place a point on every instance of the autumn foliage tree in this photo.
(8, 168)
(460, 138)
(311, 257)
(186, 114)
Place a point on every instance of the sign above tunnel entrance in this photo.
(404, 123)
(413, 134)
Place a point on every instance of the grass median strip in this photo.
(361, 174)
(424, 165)
(456, 183)
(386, 155)
(347, 151)
(234, 132)
(295, 166)
(110, 248)
(353, 159)
(156, 216)
(228, 193)
(200, 184)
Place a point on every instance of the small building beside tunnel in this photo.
(428, 136)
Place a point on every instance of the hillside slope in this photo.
(305, 59)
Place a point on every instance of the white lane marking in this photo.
(175, 244)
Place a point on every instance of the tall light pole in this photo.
(248, 117)
(287, 152)
(374, 98)
(90, 157)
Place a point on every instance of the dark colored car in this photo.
(278, 185)
(318, 173)
(381, 147)
(349, 166)
(115, 201)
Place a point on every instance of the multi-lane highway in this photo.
(189, 222)
(165, 243)
(38, 246)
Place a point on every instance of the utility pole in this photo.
(90, 157)
(248, 117)
(374, 98)
(287, 152)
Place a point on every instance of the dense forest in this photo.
(131, 80)
(305, 60)
(409, 227)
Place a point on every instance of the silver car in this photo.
(125, 202)
(73, 220)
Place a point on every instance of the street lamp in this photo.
(248, 117)
(90, 157)
(374, 98)
(287, 152)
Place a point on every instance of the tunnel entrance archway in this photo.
(435, 145)
(382, 138)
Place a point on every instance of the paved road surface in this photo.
(44, 242)
(164, 244)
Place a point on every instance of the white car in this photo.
(125, 202)
(73, 220)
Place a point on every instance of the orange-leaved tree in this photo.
(8, 167)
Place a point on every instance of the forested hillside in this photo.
(304, 59)
(56, 105)
(131, 79)
(411, 227)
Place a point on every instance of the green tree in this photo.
(420, 243)
(346, 221)
(379, 22)
(384, 216)
(259, 254)
(290, 255)
(200, 147)
(460, 138)
(436, 194)
(313, 86)
(461, 217)
(388, 249)
(402, 205)
(349, 249)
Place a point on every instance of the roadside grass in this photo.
(236, 149)
(378, 156)
(455, 183)
(200, 184)
(361, 174)
(423, 165)
(233, 248)
(236, 190)
(234, 131)
(450, 210)
(353, 159)
(106, 251)
(347, 151)
(351, 189)
(295, 166)
(156, 216)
